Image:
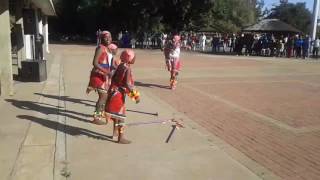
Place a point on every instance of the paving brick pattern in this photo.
(267, 109)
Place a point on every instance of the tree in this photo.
(226, 16)
(86, 16)
(295, 14)
(260, 13)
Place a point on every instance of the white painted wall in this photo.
(46, 33)
(28, 47)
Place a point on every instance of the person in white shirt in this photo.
(203, 39)
(316, 45)
(133, 42)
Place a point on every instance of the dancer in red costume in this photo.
(172, 56)
(115, 62)
(100, 74)
(122, 84)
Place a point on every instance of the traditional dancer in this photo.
(172, 56)
(100, 74)
(122, 84)
(115, 62)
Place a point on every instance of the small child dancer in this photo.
(122, 84)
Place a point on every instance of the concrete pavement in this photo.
(48, 135)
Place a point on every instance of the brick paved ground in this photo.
(266, 108)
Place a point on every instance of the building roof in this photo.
(272, 25)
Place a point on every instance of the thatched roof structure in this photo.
(272, 25)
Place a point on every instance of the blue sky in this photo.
(269, 3)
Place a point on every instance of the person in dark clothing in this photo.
(305, 46)
(290, 46)
(298, 46)
(39, 40)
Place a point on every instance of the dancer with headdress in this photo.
(122, 84)
(100, 73)
(172, 56)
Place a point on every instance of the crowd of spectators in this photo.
(247, 44)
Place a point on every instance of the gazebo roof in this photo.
(272, 25)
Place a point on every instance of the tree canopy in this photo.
(296, 15)
(86, 16)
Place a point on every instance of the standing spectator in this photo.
(225, 42)
(133, 42)
(265, 45)
(281, 48)
(185, 42)
(290, 45)
(149, 42)
(298, 46)
(145, 40)
(193, 42)
(316, 45)
(305, 47)
(126, 40)
(272, 43)
(255, 45)
(239, 44)
(153, 40)
(39, 40)
(203, 39)
(232, 42)
(285, 41)
(120, 39)
(215, 43)
(163, 39)
(248, 41)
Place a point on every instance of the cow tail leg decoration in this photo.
(115, 128)
(99, 114)
(173, 80)
(121, 139)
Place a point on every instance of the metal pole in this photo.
(315, 19)
(174, 127)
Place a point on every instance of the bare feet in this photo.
(123, 141)
(173, 84)
(89, 89)
(98, 119)
(98, 122)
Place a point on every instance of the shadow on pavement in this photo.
(67, 98)
(70, 130)
(137, 83)
(48, 109)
